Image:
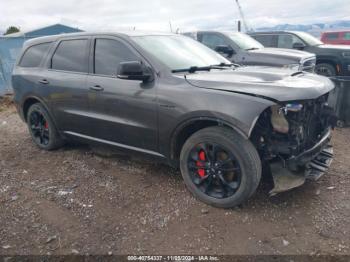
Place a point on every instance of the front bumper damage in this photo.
(309, 165)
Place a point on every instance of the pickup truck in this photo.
(242, 49)
(332, 60)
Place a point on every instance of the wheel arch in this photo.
(29, 101)
(327, 60)
(189, 127)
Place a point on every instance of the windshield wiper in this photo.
(228, 65)
(194, 69)
(252, 48)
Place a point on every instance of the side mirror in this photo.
(134, 70)
(299, 46)
(225, 49)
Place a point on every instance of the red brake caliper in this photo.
(201, 156)
(46, 125)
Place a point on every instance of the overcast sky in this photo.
(156, 14)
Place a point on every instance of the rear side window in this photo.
(71, 56)
(34, 54)
(332, 36)
(212, 41)
(266, 40)
(108, 54)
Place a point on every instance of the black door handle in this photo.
(97, 88)
(44, 82)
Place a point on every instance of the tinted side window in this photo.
(212, 41)
(332, 36)
(347, 36)
(288, 41)
(108, 54)
(71, 56)
(266, 40)
(33, 56)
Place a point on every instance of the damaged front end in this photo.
(293, 141)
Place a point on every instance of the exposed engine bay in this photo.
(293, 141)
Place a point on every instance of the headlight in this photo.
(346, 54)
(295, 67)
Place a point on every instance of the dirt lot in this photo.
(73, 200)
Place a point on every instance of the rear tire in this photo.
(325, 69)
(42, 129)
(220, 167)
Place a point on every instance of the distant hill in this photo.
(315, 29)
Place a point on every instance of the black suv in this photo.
(332, 60)
(173, 98)
(242, 49)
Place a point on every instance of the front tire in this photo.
(220, 167)
(42, 129)
(325, 69)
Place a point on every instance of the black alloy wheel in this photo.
(220, 167)
(40, 128)
(325, 69)
(214, 170)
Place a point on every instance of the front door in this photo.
(122, 112)
(213, 40)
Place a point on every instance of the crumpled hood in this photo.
(292, 54)
(271, 83)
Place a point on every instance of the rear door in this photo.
(66, 81)
(28, 72)
(123, 112)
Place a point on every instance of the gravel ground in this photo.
(74, 201)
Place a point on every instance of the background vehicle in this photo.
(336, 38)
(242, 49)
(331, 59)
(173, 98)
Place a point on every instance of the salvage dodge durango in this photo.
(171, 97)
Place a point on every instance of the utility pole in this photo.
(247, 28)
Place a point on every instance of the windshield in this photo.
(179, 52)
(245, 41)
(309, 39)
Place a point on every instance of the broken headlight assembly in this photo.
(293, 141)
(278, 116)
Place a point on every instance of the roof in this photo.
(120, 34)
(336, 31)
(273, 32)
(43, 31)
(213, 31)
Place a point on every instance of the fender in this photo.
(328, 58)
(219, 120)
